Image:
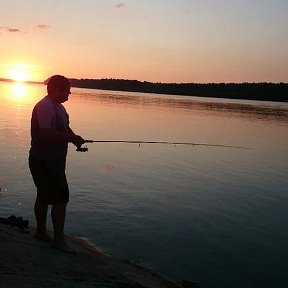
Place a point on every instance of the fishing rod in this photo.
(84, 149)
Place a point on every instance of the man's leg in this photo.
(40, 209)
(58, 214)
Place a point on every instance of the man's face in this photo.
(62, 95)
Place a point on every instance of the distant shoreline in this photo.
(25, 82)
(276, 92)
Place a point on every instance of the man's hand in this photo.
(77, 140)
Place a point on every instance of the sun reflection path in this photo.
(19, 90)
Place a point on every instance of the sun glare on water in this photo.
(19, 90)
(20, 73)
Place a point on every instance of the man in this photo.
(50, 133)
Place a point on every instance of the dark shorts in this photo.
(50, 179)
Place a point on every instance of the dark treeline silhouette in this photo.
(250, 91)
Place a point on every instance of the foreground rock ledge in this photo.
(26, 262)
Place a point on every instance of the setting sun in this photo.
(19, 72)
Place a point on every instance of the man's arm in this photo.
(77, 140)
(70, 131)
(54, 136)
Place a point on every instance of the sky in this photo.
(180, 41)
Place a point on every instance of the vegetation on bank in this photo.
(251, 91)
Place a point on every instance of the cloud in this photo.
(121, 5)
(13, 30)
(43, 26)
(10, 29)
(7, 29)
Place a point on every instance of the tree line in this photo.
(251, 91)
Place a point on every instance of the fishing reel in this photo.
(85, 148)
(82, 149)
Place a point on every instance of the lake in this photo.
(216, 215)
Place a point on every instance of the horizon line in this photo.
(121, 79)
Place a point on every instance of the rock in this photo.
(27, 262)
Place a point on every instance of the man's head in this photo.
(58, 88)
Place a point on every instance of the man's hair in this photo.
(58, 82)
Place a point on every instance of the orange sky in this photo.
(165, 41)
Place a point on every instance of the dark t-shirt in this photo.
(48, 114)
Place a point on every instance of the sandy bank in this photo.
(26, 262)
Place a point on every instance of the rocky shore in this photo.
(27, 262)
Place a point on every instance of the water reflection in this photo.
(274, 111)
(20, 92)
(195, 198)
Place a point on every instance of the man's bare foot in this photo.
(43, 237)
(63, 246)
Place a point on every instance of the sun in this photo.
(19, 72)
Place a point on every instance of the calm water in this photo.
(215, 215)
